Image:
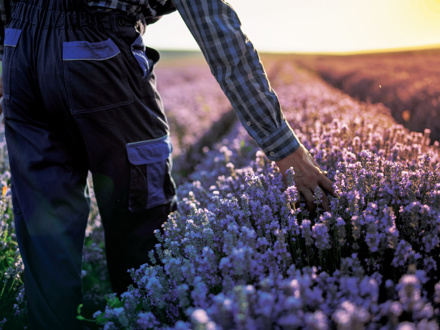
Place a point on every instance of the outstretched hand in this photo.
(308, 177)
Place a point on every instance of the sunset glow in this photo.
(320, 25)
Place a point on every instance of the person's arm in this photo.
(236, 65)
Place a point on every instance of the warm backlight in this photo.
(335, 26)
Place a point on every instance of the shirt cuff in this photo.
(280, 143)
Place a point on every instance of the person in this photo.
(79, 95)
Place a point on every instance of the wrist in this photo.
(272, 146)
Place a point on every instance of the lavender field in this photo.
(242, 252)
(406, 82)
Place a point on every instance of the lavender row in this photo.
(193, 102)
(406, 82)
(242, 252)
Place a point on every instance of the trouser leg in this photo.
(51, 214)
(49, 169)
(129, 241)
(52, 276)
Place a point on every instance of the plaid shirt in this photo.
(233, 61)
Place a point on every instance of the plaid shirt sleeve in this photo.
(236, 65)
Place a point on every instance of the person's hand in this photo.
(308, 177)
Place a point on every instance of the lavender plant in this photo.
(242, 252)
(12, 300)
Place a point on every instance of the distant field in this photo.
(171, 58)
(406, 82)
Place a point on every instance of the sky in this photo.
(318, 25)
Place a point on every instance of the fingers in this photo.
(326, 184)
(310, 195)
(324, 201)
(310, 199)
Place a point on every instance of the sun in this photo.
(431, 8)
(434, 3)
(423, 13)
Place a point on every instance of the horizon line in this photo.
(329, 53)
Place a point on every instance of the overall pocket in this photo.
(95, 76)
(11, 41)
(150, 173)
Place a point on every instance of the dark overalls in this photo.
(79, 96)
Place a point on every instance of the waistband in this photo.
(69, 14)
